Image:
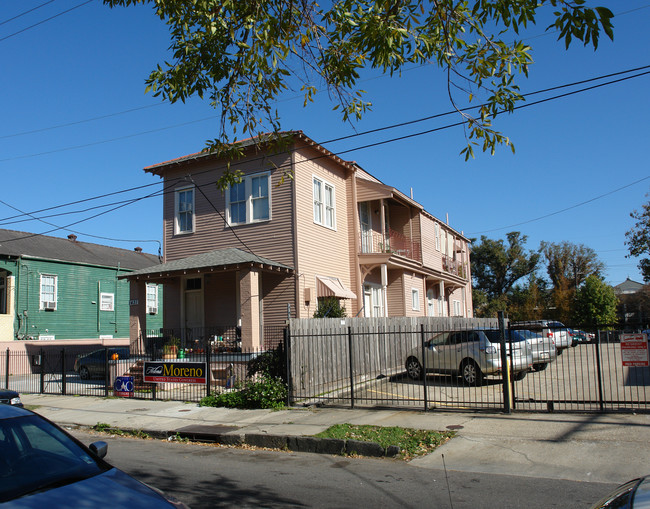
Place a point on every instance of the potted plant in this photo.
(170, 349)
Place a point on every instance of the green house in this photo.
(61, 289)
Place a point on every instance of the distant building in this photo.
(628, 287)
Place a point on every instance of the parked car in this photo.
(551, 329)
(634, 494)
(9, 397)
(542, 348)
(93, 364)
(469, 354)
(580, 336)
(43, 466)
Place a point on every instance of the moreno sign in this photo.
(175, 372)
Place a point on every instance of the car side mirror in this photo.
(99, 449)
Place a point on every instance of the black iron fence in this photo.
(448, 365)
(120, 370)
(451, 367)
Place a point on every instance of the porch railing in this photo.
(454, 267)
(395, 243)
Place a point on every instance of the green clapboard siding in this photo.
(77, 314)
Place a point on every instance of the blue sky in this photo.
(77, 125)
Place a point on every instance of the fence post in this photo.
(505, 369)
(107, 374)
(424, 368)
(42, 372)
(63, 380)
(287, 346)
(599, 372)
(351, 362)
(7, 370)
(208, 367)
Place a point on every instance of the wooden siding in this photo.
(395, 293)
(431, 257)
(412, 281)
(322, 251)
(220, 307)
(77, 314)
(271, 239)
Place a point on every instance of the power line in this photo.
(401, 138)
(24, 13)
(44, 21)
(564, 209)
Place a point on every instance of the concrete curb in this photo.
(333, 446)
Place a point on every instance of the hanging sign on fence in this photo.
(123, 387)
(175, 372)
(634, 350)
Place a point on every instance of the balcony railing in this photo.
(454, 267)
(374, 242)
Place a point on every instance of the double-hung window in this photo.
(152, 299)
(324, 204)
(184, 210)
(415, 299)
(48, 292)
(107, 301)
(249, 200)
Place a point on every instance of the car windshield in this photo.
(36, 456)
(529, 334)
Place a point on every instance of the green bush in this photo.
(271, 364)
(269, 392)
(330, 307)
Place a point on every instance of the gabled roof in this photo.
(262, 139)
(29, 245)
(628, 286)
(220, 258)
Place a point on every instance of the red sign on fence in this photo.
(634, 350)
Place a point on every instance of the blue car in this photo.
(43, 466)
(9, 397)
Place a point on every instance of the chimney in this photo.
(72, 237)
(138, 250)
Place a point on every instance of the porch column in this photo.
(137, 313)
(441, 295)
(249, 298)
(384, 287)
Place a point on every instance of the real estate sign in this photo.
(634, 350)
(175, 372)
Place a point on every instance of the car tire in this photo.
(84, 374)
(414, 369)
(470, 373)
(541, 366)
(519, 375)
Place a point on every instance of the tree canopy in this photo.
(243, 54)
(595, 303)
(568, 265)
(638, 239)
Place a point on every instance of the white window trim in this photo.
(152, 310)
(322, 204)
(458, 310)
(49, 305)
(177, 226)
(248, 193)
(106, 301)
(415, 299)
(437, 235)
(374, 290)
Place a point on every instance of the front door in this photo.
(193, 305)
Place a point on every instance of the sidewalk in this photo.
(611, 448)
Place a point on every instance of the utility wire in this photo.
(44, 21)
(564, 209)
(26, 12)
(406, 137)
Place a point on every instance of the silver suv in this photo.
(551, 329)
(469, 354)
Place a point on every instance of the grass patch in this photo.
(412, 442)
(103, 427)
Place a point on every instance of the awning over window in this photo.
(332, 287)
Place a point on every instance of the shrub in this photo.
(269, 392)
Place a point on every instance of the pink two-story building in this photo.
(303, 224)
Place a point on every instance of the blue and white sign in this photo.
(123, 386)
